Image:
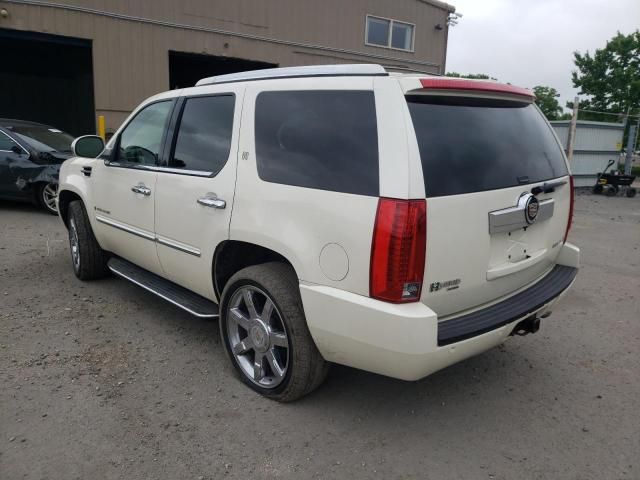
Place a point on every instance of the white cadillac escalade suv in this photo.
(393, 223)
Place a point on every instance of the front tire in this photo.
(88, 259)
(265, 334)
(47, 194)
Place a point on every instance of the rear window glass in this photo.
(43, 138)
(471, 145)
(326, 140)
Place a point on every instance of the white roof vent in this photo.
(354, 70)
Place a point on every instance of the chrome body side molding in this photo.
(167, 242)
(126, 228)
(178, 246)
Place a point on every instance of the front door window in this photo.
(141, 139)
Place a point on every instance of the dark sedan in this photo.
(30, 158)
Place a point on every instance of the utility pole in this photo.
(631, 143)
(571, 136)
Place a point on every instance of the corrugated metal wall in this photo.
(130, 46)
(596, 143)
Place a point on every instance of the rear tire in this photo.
(88, 259)
(272, 351)
(612, 191)
(631, 192)
(47, 193)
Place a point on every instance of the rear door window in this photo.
(327, 140)
(472, 144)
(203, 142)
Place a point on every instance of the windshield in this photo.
(43, 138)
(472, 144)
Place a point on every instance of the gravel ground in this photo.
(102, 380)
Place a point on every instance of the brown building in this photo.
(67, 61)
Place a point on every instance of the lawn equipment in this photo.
(612, 183)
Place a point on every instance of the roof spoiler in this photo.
(441, 83)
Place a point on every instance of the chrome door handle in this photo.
(140, 188)
(211, 200)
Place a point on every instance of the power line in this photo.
(608, 113)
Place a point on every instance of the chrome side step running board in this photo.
(169, 291)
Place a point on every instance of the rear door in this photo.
(194, 192)
(498, 195)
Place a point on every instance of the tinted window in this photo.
(140, 140)
(326, 140)
(469, 145)
(6, 143)
(204, 135)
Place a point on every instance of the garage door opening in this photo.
(48, 79)
(185, 69)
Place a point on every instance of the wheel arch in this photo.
(231, 256)
(65, 197)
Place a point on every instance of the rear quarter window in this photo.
(472, 144)
(325, 140)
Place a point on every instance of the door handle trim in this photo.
(142, 189)
(211, 200)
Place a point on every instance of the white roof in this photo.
(351, 70)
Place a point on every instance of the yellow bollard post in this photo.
(101, 127)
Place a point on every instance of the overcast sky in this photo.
(530, 42)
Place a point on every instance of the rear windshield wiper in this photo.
(547, 187)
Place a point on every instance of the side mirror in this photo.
(88, 146)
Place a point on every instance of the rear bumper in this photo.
(407, 341)
(502, 313)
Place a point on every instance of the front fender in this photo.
(72, 180)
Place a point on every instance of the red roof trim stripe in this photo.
(474, 85)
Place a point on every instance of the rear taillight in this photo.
(570, 220)
(398, 250)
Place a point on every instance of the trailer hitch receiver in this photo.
(528, 325)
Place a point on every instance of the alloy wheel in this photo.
(49, 196)
(257, 337)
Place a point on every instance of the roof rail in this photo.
(349, 70)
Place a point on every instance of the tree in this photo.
(610, 78)
(547, 100)
(475, 76)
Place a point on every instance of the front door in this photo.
(124, 188)
(194, 193)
